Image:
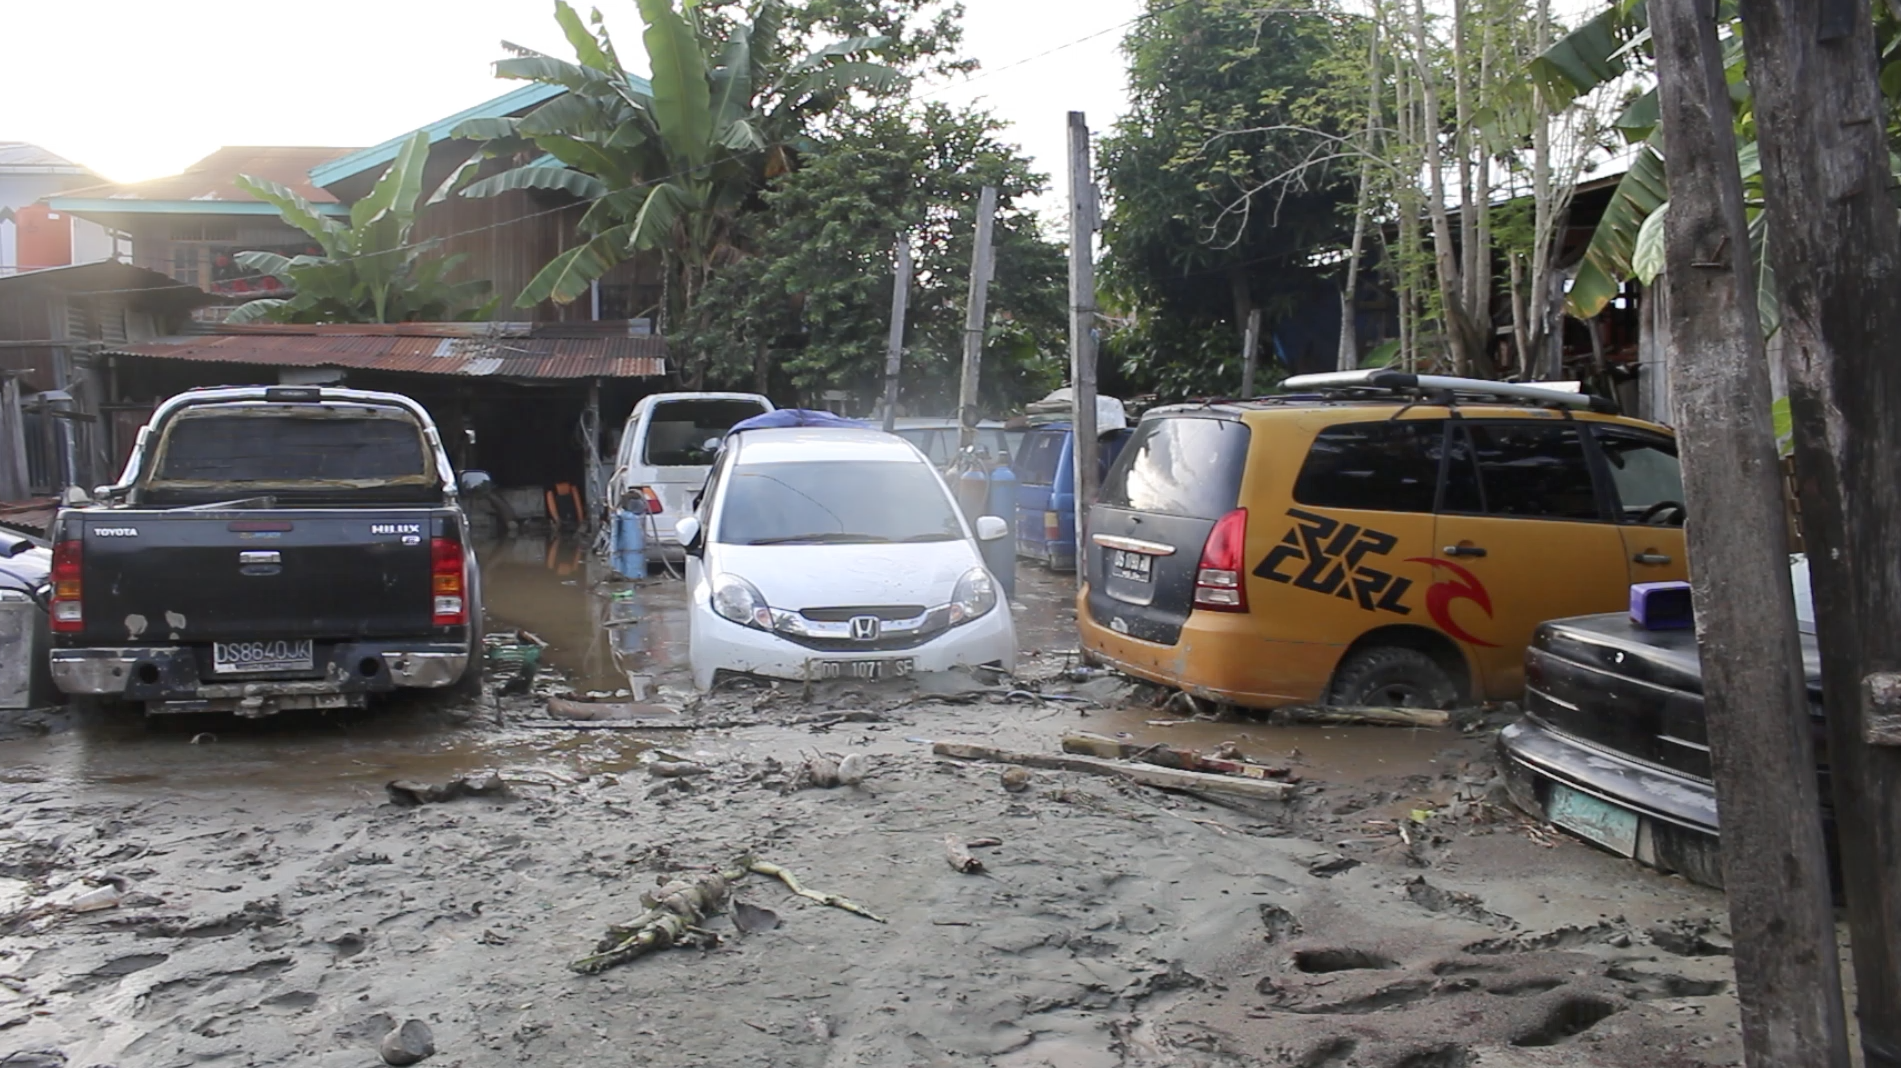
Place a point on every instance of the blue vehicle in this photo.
(1046, 491)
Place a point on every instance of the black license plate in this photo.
(241, 658)
(861, 669)
(1134, 566)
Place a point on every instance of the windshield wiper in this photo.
(939, 536)
(833, 538)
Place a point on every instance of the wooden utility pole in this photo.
(1836, 247)
(1775, 871)
(1250, 352)
(1082, 329)
(894, 347)
(981, 266)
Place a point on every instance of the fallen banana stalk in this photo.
(675, 913)
(1147, 775)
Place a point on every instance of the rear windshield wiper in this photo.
(834, 538)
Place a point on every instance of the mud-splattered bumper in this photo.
(180, 673)
(1220, 656)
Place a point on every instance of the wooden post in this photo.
(1775, 871)
(1820, 118)
(1250, 352)
(894, 347)
(595, 493)
(1082, 329)
(980, 270)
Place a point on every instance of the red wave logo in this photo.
(1463, 586)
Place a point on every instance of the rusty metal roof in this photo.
(494, 357)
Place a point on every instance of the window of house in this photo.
(185, 265)
(1376, 467)
(1533, 470)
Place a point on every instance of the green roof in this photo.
(507, 104)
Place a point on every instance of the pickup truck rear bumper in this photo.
(165, 673)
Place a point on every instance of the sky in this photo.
(185, 77)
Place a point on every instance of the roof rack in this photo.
(1383, 380)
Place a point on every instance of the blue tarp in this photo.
(790, 417)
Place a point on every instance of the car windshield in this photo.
(680, 431)
(838, 502)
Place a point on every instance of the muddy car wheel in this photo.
(1392, 677)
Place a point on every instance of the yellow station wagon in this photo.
(1372, 538)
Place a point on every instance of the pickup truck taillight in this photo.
(1220, 575)
(446, 581)
(654, 507)
(67, 612)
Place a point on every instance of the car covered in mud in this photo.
(1613, 746)
(837, 552)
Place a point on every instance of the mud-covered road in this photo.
(275, 907)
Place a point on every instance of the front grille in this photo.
(886, 612)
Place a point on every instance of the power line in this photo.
(912, 96)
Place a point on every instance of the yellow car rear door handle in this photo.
(1464, 550)
(1651, 558)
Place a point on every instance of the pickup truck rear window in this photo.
(289, 446)
(1179, 465)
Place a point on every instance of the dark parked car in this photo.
(1613, 747)
(270, 549)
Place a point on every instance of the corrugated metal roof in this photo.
(508, 357)
(22, 157)
(213, 180)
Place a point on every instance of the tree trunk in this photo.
(1521, 327)
(1243, 296)
(1775, 872)
(1349, 351)
(1837, 253)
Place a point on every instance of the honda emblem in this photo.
(864, 628)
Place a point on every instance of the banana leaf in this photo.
(457, 178)
(732, 79)
(1607, 259)
(1646, 256)
(568, 275)
(298, 212)
(573, 114)
(1768, 300)
(665, 204)
(1585, 58)
(850, 46)
(586, 47)
(483, 129)
(257, 311)
(683, 105)
(549, 70)
(397, 188)
(539, 176)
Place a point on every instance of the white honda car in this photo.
(832, 552)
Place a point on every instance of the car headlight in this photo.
(738, 600)
(976, 594)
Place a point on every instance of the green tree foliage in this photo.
(370, 270)
(811, 308)
(673, 163)
(1220, 190)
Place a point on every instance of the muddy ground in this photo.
(275, 906)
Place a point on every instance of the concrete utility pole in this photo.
(982, 264)
(1836, 247)
(1082, 328)
(1250, 352)
(1775, 872)
(894, 348)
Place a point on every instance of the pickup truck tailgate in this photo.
(185, 575)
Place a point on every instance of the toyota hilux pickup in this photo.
(269, 549)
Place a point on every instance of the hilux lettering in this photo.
(396, 528)
(1335, 554)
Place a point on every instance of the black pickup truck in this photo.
(270, 548)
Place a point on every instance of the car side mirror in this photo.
(688, 531)
(475, 482)
(990, 527)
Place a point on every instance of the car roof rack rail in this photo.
(1386, 380)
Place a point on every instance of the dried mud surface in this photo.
(276, 907)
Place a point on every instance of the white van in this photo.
(666, 449)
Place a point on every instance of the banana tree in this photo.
(669, 164)
(370, 270)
